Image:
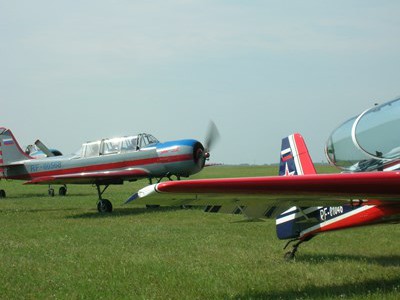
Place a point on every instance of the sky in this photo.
(75, 71)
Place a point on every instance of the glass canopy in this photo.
(368, 140)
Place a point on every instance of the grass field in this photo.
(61, 248)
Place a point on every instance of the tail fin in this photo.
(295, 160)
(10, 151)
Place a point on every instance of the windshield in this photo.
(377, 131)
(121, 144)
(368, 140)
(340, 149)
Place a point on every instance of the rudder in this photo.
(295, 160)
(10, 151)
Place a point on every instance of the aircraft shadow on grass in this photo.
(38, 210)
(380, 286)
(121, 212)
(382, 260)
(43, 196)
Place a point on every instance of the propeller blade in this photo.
(211, 137)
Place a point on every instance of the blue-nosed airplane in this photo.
(367, 150)
(104, 162)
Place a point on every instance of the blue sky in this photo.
(72, 72)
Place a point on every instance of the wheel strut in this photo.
(290, 255)
(103, 205)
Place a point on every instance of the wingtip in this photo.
(144, 192)
(132, 198)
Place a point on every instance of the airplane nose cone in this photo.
(199, 155)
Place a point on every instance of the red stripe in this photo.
(109, 166)
(391, 164)
(372, 215)
(305, 160)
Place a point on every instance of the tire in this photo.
(289, 256)
(62, 191)
(2, 193)
(104, 206)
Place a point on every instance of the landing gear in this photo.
(103, 205)
(62, 190)
(290, 255)
(2, 193)
(168, 175)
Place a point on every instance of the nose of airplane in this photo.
(203, 152)
(199, 155)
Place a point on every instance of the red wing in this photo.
(91, 177)
(308, 190)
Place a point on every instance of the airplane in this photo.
(105, 162)
(40, 150)
(303, 203)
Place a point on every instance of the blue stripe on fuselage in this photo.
(176, 143)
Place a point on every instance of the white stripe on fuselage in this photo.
(296, 215)
(393, 168)
(296, 157)
(337, 219)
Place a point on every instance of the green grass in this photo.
(61, 248)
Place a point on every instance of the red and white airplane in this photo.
(309, 204)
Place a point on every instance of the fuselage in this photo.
(177, 158)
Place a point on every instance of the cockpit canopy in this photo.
(117, 145)
(367, 141)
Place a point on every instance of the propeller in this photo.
(202, 152)
(211, 138)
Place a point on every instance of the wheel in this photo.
(62, 191)
(104, 206)
(2, 193)
(289, 256)
(51, 192)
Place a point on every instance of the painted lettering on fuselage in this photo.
(327, 213)
(46, 166)
(170, 150)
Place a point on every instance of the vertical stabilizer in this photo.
(295, 159)
(10, 150)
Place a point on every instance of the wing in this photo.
(110, 177)
(275, 193)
